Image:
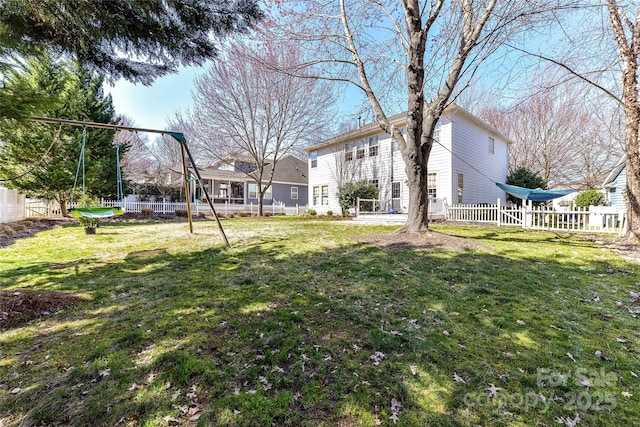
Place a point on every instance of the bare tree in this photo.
(424, 47)
(557, 134)
(245, 107)
(627, 36)
(596, 64)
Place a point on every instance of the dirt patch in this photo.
(12, 231)
(402, 239)
(20, 306)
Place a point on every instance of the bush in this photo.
(8, 230)
(243, 214)
(313, 212)
(329, 213)
(148, 213)
(181, 212)
(230, 215)
(19, 227)
(351, 191)
(590, 198)
(267, 213)
(27, 223)
(87, 222)
(202, 215)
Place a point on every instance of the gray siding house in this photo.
(228, 182)
(615, 185)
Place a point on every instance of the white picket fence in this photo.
(51, 209)
(12, 205)
(595, 219)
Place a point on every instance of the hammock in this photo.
(533, 194)
(96, 212)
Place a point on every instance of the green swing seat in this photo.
(96, 212)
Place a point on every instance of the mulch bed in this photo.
(20, 306)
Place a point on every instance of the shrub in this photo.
(267, 213)
(242, 214)
(202, 215)
(181, 212)
(148, 213)
(329, 213)
(230, 215)
(27, 223)
(351, 191)
(590, 198)
(313, 212)
(19, 227)
(8, 230)
(87, 222)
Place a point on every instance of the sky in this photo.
(151, 107)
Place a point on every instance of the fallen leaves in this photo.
(569, 422)
(377, 357)
(396, 406)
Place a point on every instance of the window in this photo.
(314, 159)
(460, 186)
(360, 149)
(395, 196)
(432, 184)
(268, 194)
(253, 192)
(294, 193)
(492, 145)
(395, 190)
(375, 183)
(325, 195)
(348, 152)
(436, 135)
(373, 146)
(394, 145)
(316, 196)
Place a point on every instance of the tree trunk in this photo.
(632, 145)
(628, 52)
(63, 209)
(414, 153)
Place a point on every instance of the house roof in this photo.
(289, 170)
(608, 182)
(399, 120)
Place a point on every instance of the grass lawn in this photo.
(302, 323)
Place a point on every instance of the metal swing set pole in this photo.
(178, 136)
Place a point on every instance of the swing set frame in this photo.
(184, 149)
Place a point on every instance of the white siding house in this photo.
(469, 158)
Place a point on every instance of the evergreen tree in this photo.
(523, 177)
(42, 159)
(138, 40)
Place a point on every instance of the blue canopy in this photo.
(533, 194)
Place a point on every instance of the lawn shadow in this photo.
(264, 335)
